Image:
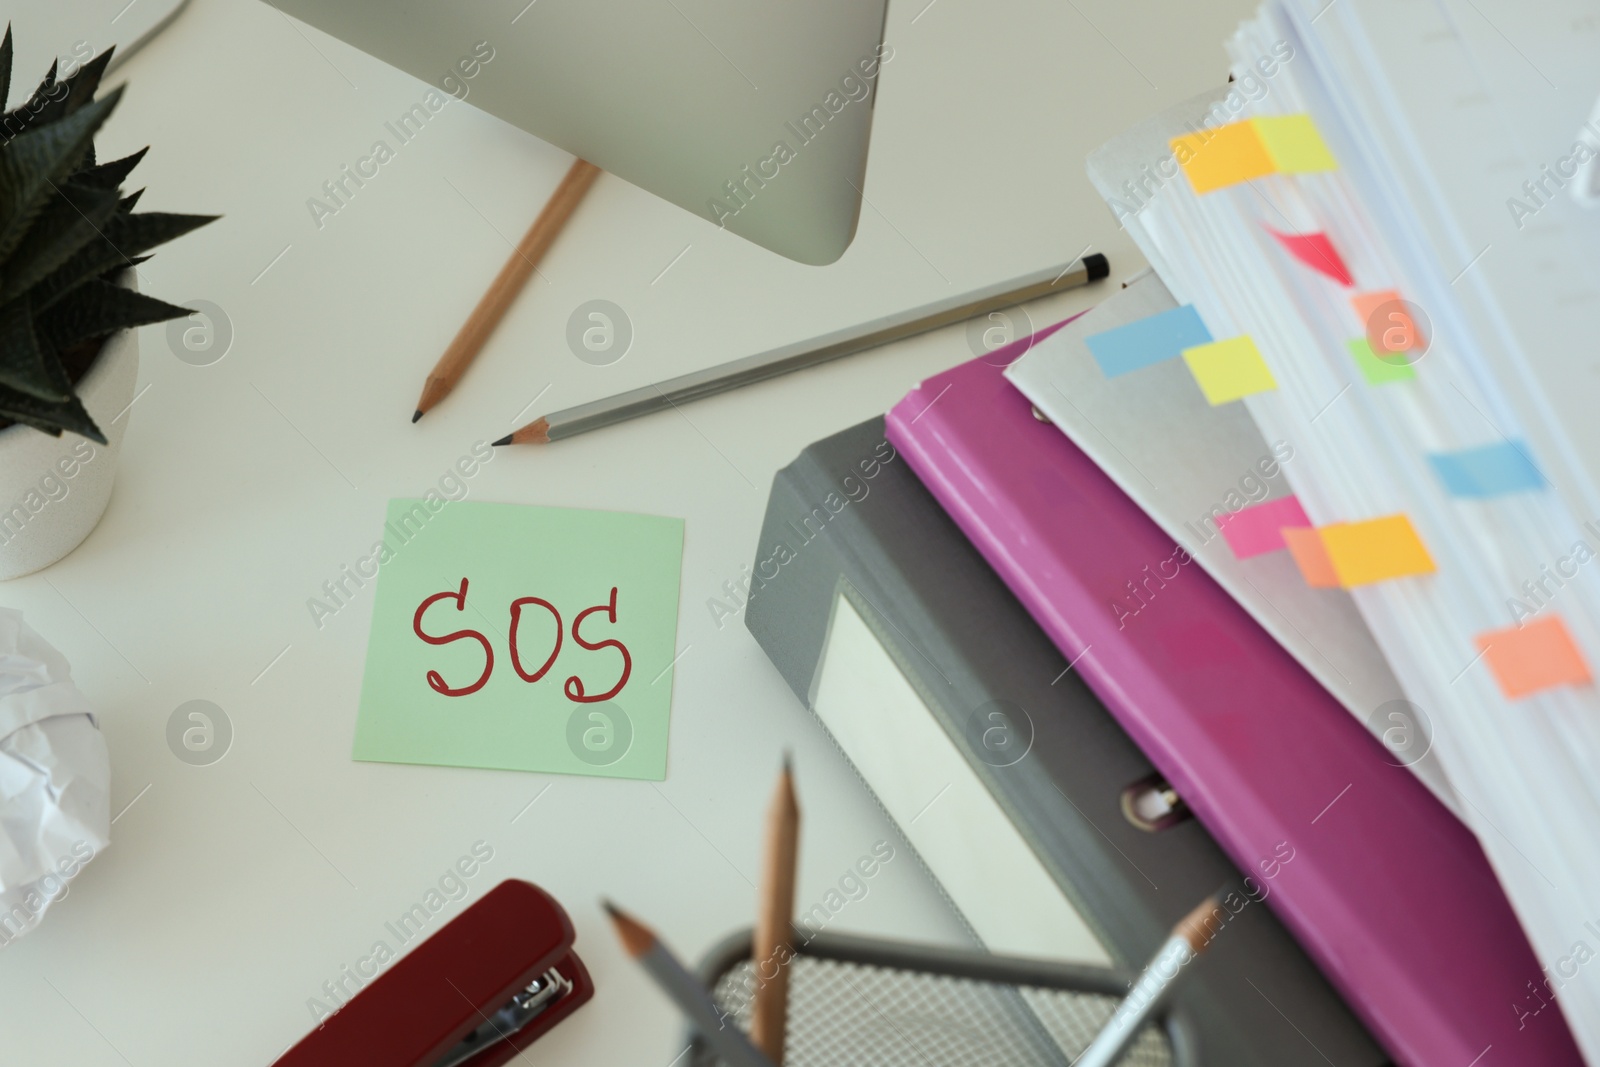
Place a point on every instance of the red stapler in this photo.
(475, 994)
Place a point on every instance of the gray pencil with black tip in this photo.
(685, 990)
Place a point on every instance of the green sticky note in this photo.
(590, 599)
(1375, 370)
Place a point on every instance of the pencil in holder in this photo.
(866, 1002)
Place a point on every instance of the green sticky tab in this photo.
(1375, 370)
(522, 638)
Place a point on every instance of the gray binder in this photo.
(1088, 803)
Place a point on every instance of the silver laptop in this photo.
(754, 116)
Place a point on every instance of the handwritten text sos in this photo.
(573, 687)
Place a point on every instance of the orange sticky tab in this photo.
(1387, 324)
(1311, 556)
(1366, 303)
(1539, 655)
(1221, 157)
(1375, 550)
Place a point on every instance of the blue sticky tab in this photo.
(1488, 470)
(1150, 340)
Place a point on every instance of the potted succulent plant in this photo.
(70, 244)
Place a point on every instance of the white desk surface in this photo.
(231, 892)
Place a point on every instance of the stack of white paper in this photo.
(1451, 473)
(1185, 462)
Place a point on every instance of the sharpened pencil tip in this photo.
(417, 415)
(1192, 927)
(785, 805)
(506, 440)
(636, 938)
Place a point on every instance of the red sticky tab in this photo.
(1316, 252)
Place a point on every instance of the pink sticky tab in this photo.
(1259, 529)
(1316, 252)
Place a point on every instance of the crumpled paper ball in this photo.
(55, 778)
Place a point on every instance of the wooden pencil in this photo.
(725, 1037)
(507, 284)
(772, 949)
(713, 380)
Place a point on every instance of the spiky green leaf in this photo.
(5, 68)
(33, 164)
(97, 308)
(62, 98)
(20, 119)
(45, 90)
(24, 420)
(55, 100)
(69, 221)
(26, 364)
(82, 86)
(49, 416)
(124, 237)
(110, 175)
(66, 237)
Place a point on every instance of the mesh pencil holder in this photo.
(865, 1002)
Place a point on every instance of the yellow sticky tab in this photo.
(1293, 144)
(1221, 157)
(1243, 151)
(1375, 550)
(1228, 370)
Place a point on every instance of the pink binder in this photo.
(1388, 892)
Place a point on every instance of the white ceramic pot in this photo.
(53, 490)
